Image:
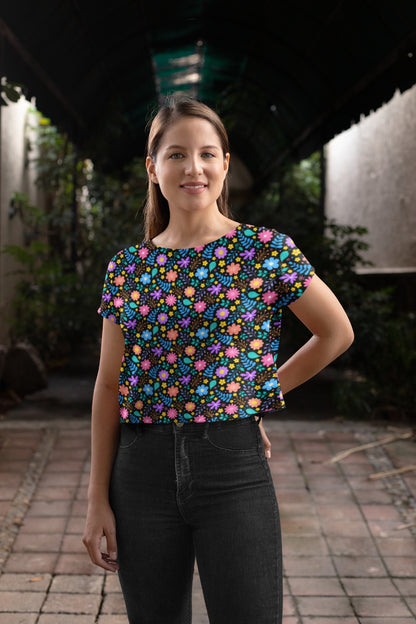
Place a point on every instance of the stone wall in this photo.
(16, 174)
(371, 181)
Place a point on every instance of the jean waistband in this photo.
(192, 428)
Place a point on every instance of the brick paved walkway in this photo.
(346, 561)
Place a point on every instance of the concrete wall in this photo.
(16, 174)
(371, 181)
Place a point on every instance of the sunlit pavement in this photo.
(347, 557)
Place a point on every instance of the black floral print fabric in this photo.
(202, 325)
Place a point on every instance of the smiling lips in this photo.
(194, 187)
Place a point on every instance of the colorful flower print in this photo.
(202, 326)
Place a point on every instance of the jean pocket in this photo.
(234, 437)
(128, 436)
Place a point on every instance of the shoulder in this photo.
(128, 256)
(263, 236)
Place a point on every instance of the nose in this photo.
(193, 165)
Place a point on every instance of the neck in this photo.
(191, 230)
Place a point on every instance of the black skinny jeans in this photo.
(204, 490)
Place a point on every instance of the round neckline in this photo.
(197, 247)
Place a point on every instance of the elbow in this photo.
(347, 338)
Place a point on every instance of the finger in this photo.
(266, 443)
(110, 563)
(93, 548)
(111, 544)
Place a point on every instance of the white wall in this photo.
(371, 181)
(15, 175)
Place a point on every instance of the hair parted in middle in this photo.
(156, 208)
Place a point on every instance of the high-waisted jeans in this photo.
(199, 490)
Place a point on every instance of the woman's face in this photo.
(190, 166)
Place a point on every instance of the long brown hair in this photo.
(156, 208)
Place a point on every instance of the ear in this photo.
(151, 170)
(226, 162)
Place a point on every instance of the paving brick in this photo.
(76, 564)
(295, 496)
(21, 602)
(72, 603)
(319, 482)
(18, 618)
(7, 493)
(359, 566)
(300, 525)
(312, 566)
(322, 605)
(59, 479)
(310, 586)
(79, 508)
(397, 546)
(75, 525)
(302, 545)
(385, 528)
(113, 619)
(8, 479)
(381, 512)
(16, 454)
(411, 603)
(380, 607)
(33, 563)
(43, 525)
(341, 528)
(49, 508)
(25, 582)
(333, 512)
(369, 587)
(55, 618)
(289, 606)
(64, 466)
(54, 493)
(113, 603)
(112, 584)
(406, 586)
(77, 584)
(330, 620)
(401, 566)
(382, 620)
(294, 510)
(73, 544)
(352, 546)
(324, 497)
(37, 542)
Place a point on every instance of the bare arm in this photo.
(321, 312)
(104, 439)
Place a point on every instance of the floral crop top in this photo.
(202, 325)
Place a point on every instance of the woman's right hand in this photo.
(101, 523)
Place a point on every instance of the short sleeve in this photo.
(295, 271)
(112, 300)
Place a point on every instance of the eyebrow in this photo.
(182, 147)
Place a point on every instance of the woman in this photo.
(190, 337)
